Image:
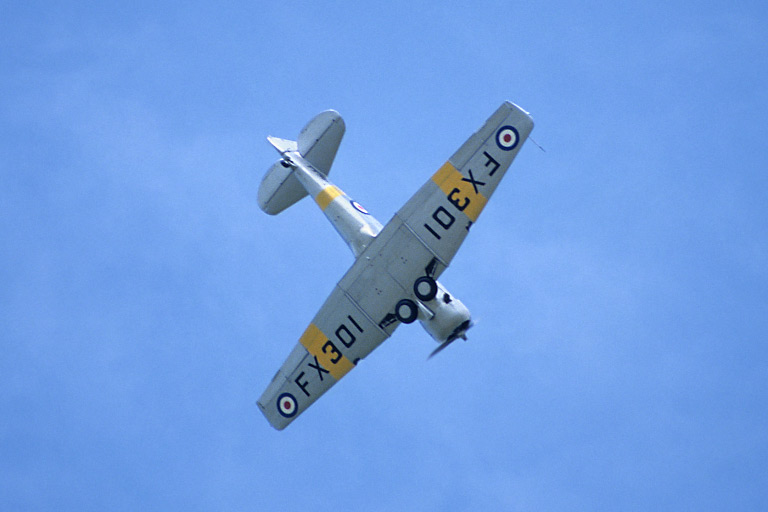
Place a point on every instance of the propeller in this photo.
(460, 332)
(441, 347)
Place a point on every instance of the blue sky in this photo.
(620, 278)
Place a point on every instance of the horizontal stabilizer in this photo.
(279, 189)
(282, 145)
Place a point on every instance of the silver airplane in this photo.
(393, 280)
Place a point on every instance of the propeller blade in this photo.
(460, 332)
(441, 347)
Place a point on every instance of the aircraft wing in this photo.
(442, 211)
(340, 335)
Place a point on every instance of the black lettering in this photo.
(475, 183)
(347, 339)
(455, 201)
(354, 323)
(333, 350)
(446, 222)
(302, 385)
(320, 369)
(432, 231)
(490, 161)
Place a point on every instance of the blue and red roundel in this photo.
(507, 138)
(286, 405)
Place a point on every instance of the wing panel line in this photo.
(421, 240)
(364, 312)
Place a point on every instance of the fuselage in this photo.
(443, 316)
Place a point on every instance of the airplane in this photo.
(393, 280)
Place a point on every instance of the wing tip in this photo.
(514, 106)
(273, 421)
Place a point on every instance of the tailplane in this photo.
(317, 143)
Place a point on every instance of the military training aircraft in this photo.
(394, 277)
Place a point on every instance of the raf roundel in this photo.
(286, 405)
(507, 138)
(357, 206)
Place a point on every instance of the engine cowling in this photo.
(451, 318)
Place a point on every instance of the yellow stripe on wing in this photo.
(460, 192)
(327, 195)
(326, 352)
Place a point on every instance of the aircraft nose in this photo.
(461, 330)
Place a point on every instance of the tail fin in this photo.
(317, 144)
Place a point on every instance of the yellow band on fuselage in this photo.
(328, 194)
(460, 193)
